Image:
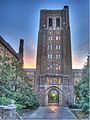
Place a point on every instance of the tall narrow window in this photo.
(49, 56)
(49, 37)
(49, 66)
(57, 37)
(56, 66)
(59, 67)
(57, 47)
(50, 22)
(57, 56)
(57, 22)
(49, 47)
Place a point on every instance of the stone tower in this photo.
(54, 82)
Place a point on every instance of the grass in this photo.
(79, 113)
(26, 113)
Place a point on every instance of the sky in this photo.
(19, 19)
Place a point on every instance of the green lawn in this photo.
(79, 114)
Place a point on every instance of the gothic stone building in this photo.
(54, 82)
(7, 51)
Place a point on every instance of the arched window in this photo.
(57, 22)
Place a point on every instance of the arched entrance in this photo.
(53, 97)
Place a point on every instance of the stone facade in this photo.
(7, 51)
(54, 60)
(77, 73)
(31, 72)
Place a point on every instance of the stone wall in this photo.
(5, 52)
(8, 113)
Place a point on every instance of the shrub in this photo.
(19, 107)
(73, 106)
(27, 100)
(5, 101)
(86, 108)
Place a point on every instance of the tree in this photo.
(6, 76)
(15, 84)
(82, 89)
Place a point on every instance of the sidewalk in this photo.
(53, 113)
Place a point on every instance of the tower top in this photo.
(66, 7)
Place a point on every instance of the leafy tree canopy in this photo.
(82, 89)
(15, 84)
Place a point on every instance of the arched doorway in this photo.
(53, 97)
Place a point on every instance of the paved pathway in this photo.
(53, 113)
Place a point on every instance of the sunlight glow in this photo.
(29, 66)
(53, 108)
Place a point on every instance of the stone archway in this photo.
(53, 96)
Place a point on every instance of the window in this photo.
(49, 66)
(57, 22)
(49, 56)
(50, 38)
(57, 56)
(57, 47)
(57, 37)
(49, 47)
(50, 81)
(50, 22)
(58, 67)
(58, 81)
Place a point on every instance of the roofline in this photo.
(8, 46)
